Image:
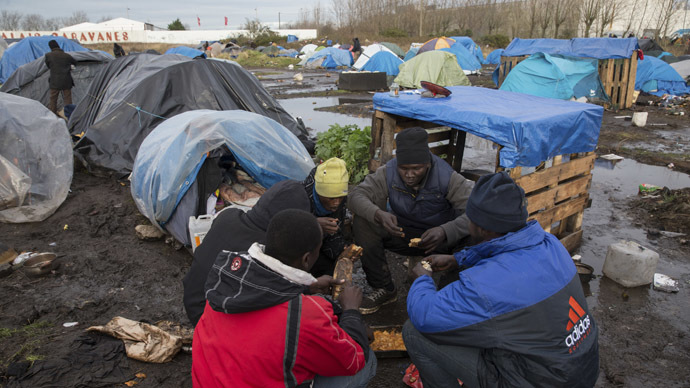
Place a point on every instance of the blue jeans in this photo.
(441, 365)
(359, 380)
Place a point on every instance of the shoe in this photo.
(373, 302)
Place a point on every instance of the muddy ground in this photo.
(106, 271)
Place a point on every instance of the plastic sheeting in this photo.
(494, 57)
(37, 143)
(657, 77)
(172, 154)
(29, 49)
(599, 48)
(384, 61)
(369, 52)
(530, 129)
(471, 46)
(134, 94)
(683, 68)
(186, 51)
(556, 76)
(467, 61)
(333, 57)
(31, 80)
(436, 66)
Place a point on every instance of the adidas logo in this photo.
(578, 325)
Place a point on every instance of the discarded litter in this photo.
(70, 324)
(646, 188)
(671, 165)
(611, 157)
(671, 234)
(630, 264)
(23, 257)
(665, 283)
(53, 244)
(639, 119)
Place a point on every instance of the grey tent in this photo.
(31, 80)
(3, 46)
(133, 94)
(683, 68)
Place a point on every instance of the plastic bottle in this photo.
(394, 90)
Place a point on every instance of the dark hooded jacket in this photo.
(235, 230)
(60, 65)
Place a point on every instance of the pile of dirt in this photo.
(667, 210)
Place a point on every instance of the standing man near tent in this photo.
(60, 65)
(415, 195)
(517, 316)
(259, 329)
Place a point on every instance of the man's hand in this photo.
(324, 285)
(328, 225)
(432, 238)
(389, 223)
(419, 270)
(442, 262)
(351, 297)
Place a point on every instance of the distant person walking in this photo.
(60, 65)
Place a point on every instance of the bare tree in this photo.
(33, 22)
(608, 13)
(544, 14)
(532, 16)
(9, 20)
(76, 18)
(561, 12)
(53, 24)
(589, 12)
(666, 10)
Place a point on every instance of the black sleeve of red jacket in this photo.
(352, 323)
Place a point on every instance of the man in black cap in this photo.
(516, 316)
(415, 195)
(60, 64)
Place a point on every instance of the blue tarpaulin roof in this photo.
(186, 51)
(472, 47)
(334, 57)
(494, 57)
(466, 60)
(29, 49)
(530, 129)
(657, 77)
(383, 61)
(599, 48)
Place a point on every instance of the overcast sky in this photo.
(162, 12)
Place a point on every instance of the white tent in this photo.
(368, 52)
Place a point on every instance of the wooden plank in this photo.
(632, 74)
(555, 174)
(498, 158)
(572, 241)
(547, 199)
(515, 172)
(439, 150)
(439, 136)
(574, 222)
(560, 211)
(376, 129)
(387, 139)
(459, 151)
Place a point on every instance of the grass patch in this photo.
(251, 58)
(31, 343)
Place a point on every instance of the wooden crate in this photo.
(557, 191)
(617, 76)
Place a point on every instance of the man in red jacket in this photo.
(260, 327)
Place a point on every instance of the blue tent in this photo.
(556, 76)
(494, 57)
(465, 59)
(472, 47)
(333, 57)
(186, 51)
(383, 61)
(411, 53)
(30, 49)
(171, 156)
(657, 77)
(292, 38)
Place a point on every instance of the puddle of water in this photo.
(627, 174)
(320, 121)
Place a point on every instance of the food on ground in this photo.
(414, 243)
(385, 340)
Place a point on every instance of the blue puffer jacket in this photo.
(521, 302)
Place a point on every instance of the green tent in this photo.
(439, 67)
(394, 48)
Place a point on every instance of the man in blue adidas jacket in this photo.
(516, 316)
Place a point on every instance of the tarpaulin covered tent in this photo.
(466, 60)
(330, 58)
(186, 51)
(133, 94)
(494, 57)
(599, 48)
(472, 47)
(368, 52)
(683, 69)
(556, 76)
(410, 53)
(171, 157)
(435, 44)
(657, 77)
(384, 61)
(436, 66)
(531, 129)
(35, 160)
(31, 80)
(29, 49)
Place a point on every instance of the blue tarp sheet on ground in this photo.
(171, 155)
(556, 76)
(472, 47)
(494, 57)
(599, 48)
(657, 77)
(334, 57)
(29, 49)
(292, 38)
(186, 51)
(383, 61)
(465, 59)
(530, 129)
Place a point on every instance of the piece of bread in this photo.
(353, 252)
(343, 270)
(414, 243)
